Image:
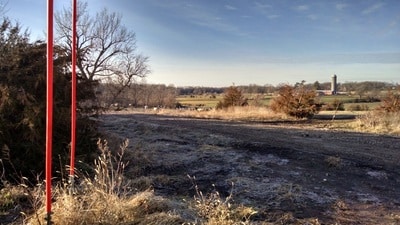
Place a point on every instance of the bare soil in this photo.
(287, 171)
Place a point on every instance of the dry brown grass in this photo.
(215, 210)
(247, 113)
(333, 161)
(97, 207)
(105, 199)
(348, 213)
(379, 122)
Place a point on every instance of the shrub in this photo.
(297, 101)
(391, 102)
(232, 97)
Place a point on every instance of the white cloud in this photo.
(372, 8)
(230, 7)
(312, 17)
(262, 8)
(199, 15)
(341, 6)
(302, 7)
(262, 5)
(393, 23)
(266, 10)
(274, 16)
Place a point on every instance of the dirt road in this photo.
(299, 170)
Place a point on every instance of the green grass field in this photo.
(197, 100)
(332, 98)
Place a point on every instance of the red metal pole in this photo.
(73, 97)
(49, 107)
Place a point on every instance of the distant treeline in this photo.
(251, 88)
(356, 87)
(160, 95)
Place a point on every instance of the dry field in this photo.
(289, 172)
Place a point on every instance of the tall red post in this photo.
(49, 107)
(73, 91)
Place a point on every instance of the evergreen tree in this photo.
(23, 105)
(297, 101)
(232, 97)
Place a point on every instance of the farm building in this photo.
(334, 87)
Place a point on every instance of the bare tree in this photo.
(126, 73)
(106, 48)
(3, 4)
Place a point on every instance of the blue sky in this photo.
(221, 42)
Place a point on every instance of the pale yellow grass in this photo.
(105, 198)
(378, 122)
(248, 113)
(97, 207)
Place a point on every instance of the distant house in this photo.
(324, 92)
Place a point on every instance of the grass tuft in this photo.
(333, 161)
(105, 199)
(215, 210)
